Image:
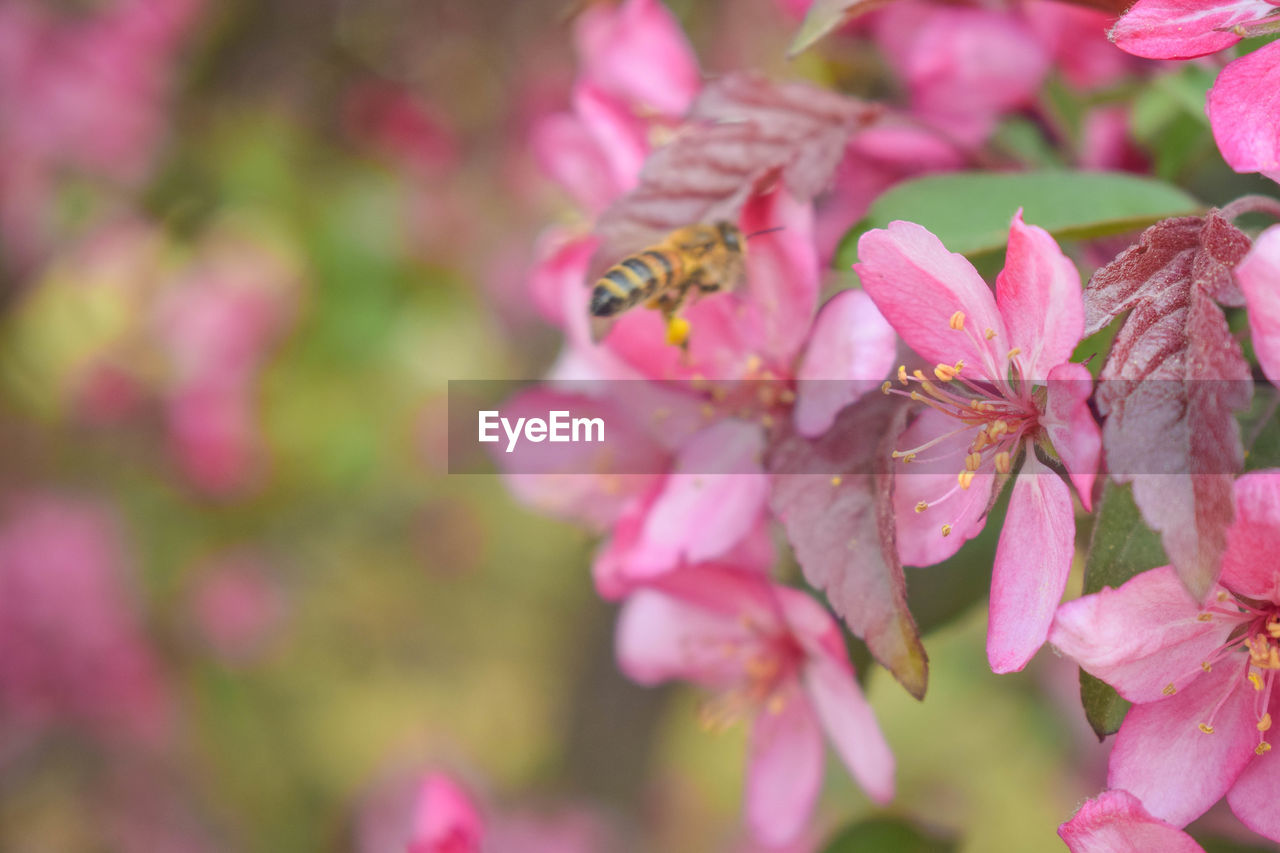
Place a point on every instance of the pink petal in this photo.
(1141, 637)
(1039, 297)
(920, 538)
(445, 820)
(851, 725)
(638, 52)
(918, 285)
(1182, 29)
(661, 637)
(784, 775)
(1253, 540)
(1116, 822)
(851, 348)
(1032, 562)
(1259, 276)
(560, 269)
(568, 153)
(1254, 796)
(715, 498)
(1244, 111)
(1164, 759)
(619, 134)
(1070, 426)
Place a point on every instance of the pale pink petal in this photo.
(1259, 276)
(661, 637)
(1253, 541)
(851, 348)
(784, 774)
(918, 286)
(1142, 637)
(1033, 560)
(1069, 424)
(1039, 297)
(619, 133)
(445, 820)
(921, 541)
(560, 270)
(1163, 758)
(1244, 111)
(570, 155)
(637, 51)
(851, 725)
(1182, 29)
(1116, 822)
(715, 497)
(1254, 796)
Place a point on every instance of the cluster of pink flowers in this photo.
(995, 398)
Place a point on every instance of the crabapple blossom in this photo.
(1116, 822)
(775, 656)
(1259, 275)
(1201, 677)
(1002, 386)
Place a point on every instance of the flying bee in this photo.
(696, 259)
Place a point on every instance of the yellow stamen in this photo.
(776, 704)
(965, 479)
(945, 372)
(1004, 462)
(766, 421)
(997, 429)
(918, 374)
(980, 443)
(922, 506)
(1262, 748)
(1206, 728)
(885, 387)
(989, 334)
(836, 480)
(1169, 689)
(1204, 664)
(1205, 617)
(972, 462)
(946, 530)
(1265, 723)
(957, 321)
(910, 457)
(902, 374)
(754, 363)
(1256, 681)
(1014, 353)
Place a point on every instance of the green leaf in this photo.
(886, 835)
(1260, 429)
(1122, 546)
(1222, 845)
(970, 211)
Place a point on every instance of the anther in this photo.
(1205, 617)
(1014, 353)
(997, 429)
(946, 530)
(1169, 689)
(1256, 681)
(945, 372)
(922, 506)
(902, 374)
(1262, 748)
(1264, 724)
(754, 363)
(989, 334)
(1004, 462)
(957, 321)
(965, 479)
(1205, 665)
(885, 387)
(1206, 728)
(910, 457)
(973, 461)
(836, 480)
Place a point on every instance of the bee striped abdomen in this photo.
(632, 281)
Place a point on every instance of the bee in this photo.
(696, 259)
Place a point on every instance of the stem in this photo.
(1251, 204)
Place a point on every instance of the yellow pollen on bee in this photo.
(1264, 724)
(837, 480)
(1206, 728)
(957, 321)
(973, 461)
(922, 506)
(902, 374)
(945, 372)
(965, 479)
(1014, 353)
(677, 331)
(946, 530)
(989, 334)
(1169, 689)
(1004, 462)
(1262, 748)
(1256, 681)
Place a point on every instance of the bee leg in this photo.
(678, 327)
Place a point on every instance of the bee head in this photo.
(731, 235)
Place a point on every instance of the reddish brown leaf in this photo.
(1169, 387)
(834, 498)
(743, 134)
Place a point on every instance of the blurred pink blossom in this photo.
(402, 128)
(1258, 272)
(776, 657)
(237, 606)
(72, 647)
(1116, 822)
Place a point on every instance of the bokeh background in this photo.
(243, 606)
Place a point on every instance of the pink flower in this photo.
(1001, 386)
(1116, 822)
(445, 819)
(774, 655)
(1244, 103)
(1258, 273)
(237, 606)
(1201, 678)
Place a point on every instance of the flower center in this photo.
(768, 664)
(998, 413)
(1257, 646)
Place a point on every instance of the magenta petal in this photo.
(1182, 29)
(662, 637)
(1141, 637)
(1162, 757)
(1070, 426)
(570, 155)
(1254, 796)
(1244, 111)
(1259, 276)
(1039, 297)
(1116, 822)
(851, 725)
(1253, 540)
(637, 51)
(850, 349)
(1033, 560)
(785, 771)
(918, 286)
(921, 541)
(445, 818)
